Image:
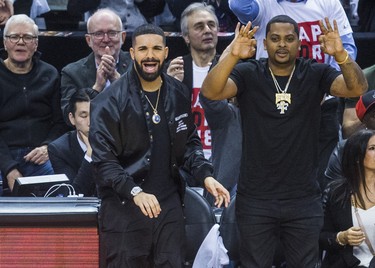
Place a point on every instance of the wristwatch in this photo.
(136, 190)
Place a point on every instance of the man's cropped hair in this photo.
(148, 29)
(282, 19)
(79, 96)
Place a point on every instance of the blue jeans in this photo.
(27, 168)
(296, 223)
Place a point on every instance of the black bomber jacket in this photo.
(121, 137)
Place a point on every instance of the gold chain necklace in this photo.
(282, 98)
(156, 117)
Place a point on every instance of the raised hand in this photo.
(176, 68)
(243, 45)
(330, 40)
(106, 70)
(6, 11)
(108, 65)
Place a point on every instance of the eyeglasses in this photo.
(100, 35)
(15, 38)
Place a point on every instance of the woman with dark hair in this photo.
(348, 234)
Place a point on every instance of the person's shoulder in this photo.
(252, 64)
(187, 57)
(311, 64)
(176, 85)
(77, 65)
(45, 67)
(172, 82)
(41, 63)
(62, 142)
(125, 56)
(369, 71)
(336, 188)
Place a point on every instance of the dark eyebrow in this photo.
(158, 47)
(142, 47)
(154, 47)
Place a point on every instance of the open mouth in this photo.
(150, 67)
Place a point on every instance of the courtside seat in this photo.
(199, 219)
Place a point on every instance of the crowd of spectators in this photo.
(25, 132)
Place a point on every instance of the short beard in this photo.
(147, 76)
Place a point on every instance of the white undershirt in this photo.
(199, 74)
(362, 252)
(84, 148)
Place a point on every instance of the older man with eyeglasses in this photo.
(29, 104)
(104, 65)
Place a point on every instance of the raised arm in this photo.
(245, 10)
(217, 84)
(352, 82)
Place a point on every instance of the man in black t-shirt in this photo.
(279, 99)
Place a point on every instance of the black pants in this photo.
(262, 223)
(146, 242)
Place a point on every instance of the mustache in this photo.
(150, 60)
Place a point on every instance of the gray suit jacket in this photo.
(82, 74)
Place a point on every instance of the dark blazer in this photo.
(82, 74)
(337, 217)
(188, 69)
(67, 157)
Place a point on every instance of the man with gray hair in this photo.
(199, 27)
(29, 104)
(218, 122)
(104, 65)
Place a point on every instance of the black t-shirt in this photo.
(159, 180)
(279, 158)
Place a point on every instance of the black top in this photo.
(279, 159)
(159, 180)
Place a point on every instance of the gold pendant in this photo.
(282, 101)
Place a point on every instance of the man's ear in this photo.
(166, 52)
(123, 36)
(71, 119)
(88, 39)
(186, 39)
(131, 51)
